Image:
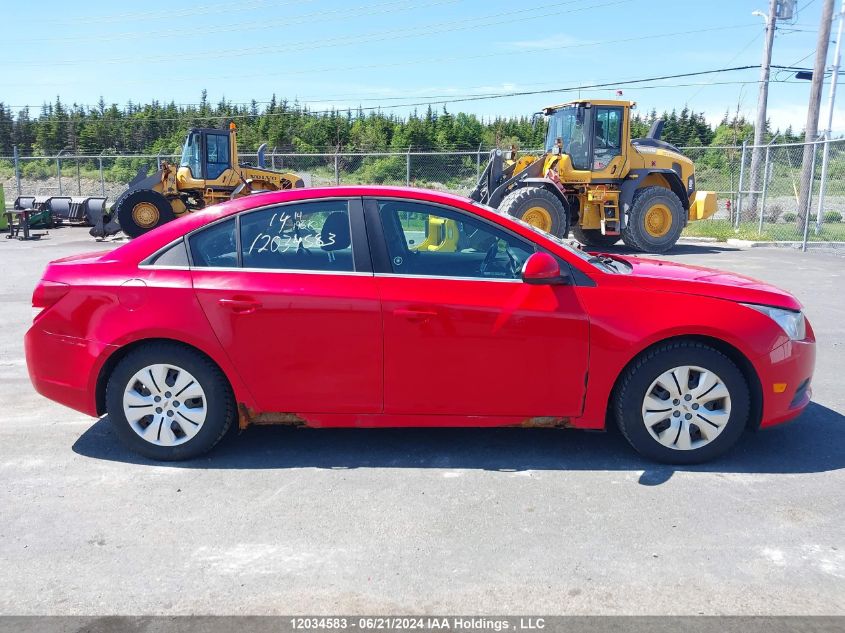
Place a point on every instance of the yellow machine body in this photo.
(596, 170)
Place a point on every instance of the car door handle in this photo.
(415, 315)
(240, 306)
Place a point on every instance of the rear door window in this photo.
(307, 236)
(215, 246)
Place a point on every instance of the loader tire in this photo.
(142, 210)
(655, 221)
(593, 237)
(538, 207)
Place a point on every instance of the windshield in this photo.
(564, 243)
(191, 154)
(570, 128)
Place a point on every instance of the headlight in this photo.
(790, 321)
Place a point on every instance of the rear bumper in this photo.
(65, 368)
(785, 375)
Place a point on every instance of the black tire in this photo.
(594, 237)
(130, 199)
(519, 202)
(628, 402)
(219, 401)
(636, 234)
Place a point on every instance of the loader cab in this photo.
(207, 153)
(594, 134)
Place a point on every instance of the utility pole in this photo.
(812, 128)
(762, 101)
(830, 102)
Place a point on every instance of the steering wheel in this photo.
(489, 257)
(513, 262)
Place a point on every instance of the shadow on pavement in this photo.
(681, 248)
(813, 443)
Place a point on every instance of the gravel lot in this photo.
(282, 520)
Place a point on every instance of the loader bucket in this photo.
(104, 222)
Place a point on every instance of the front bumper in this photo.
(785, 375)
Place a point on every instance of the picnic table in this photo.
(19, 222)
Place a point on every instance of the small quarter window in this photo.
(176, 255)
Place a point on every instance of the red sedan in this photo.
(377, 307)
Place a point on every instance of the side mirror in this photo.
(543, 269)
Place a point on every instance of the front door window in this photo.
(432, 241)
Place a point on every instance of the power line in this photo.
(458, 99)
(172, 13)
(323, 15)
(424, 30)
(442, 60)
(730, 61)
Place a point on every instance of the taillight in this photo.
(46, 294)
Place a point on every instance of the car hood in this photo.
(698, 280)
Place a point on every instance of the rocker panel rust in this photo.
(247, 417)
(546, 422)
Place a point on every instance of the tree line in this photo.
(291, 127)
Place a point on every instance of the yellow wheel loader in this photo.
(593, 179)
(209, 172)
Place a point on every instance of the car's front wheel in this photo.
(682, 403)
(168, 402)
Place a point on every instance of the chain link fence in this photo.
(768, 212)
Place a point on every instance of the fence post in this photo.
(17, 169)
(102, 175)
(59, 171)
(478, 164)
(78, 179)
(408, 168)
(822, 185)
(809, 199)
(336, 168)
(739, 186)
(765, 187)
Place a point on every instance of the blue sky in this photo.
(391, 52)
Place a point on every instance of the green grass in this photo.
(722, 230)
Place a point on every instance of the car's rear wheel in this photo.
(682, 403)
(169, 402)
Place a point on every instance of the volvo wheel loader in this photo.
(209, 172)
(593, 179)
